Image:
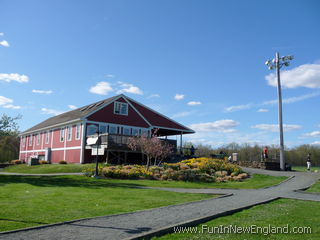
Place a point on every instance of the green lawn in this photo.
(304, 168)
(315, 187)
(256, 181)
(48, 168)
(295, 213)
(33, 200)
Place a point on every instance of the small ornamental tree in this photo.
(152, 147)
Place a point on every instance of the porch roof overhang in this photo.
(170, 132)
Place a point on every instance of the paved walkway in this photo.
(39, 174)
(141, 223)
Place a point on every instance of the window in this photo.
(92, 129)
(47, 137)
(144, 132)
(38, 138)
(78, 131)
(120, 108)
(126, 131)
(62, 135)
(135, 131)
(113, 129)
(69, 133)
(103, 129)
(30, 140)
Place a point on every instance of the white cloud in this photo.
(42, 91)
(8, 77)
(5, 100)
(129, 88)
(4, 43)
(275, 127)
(238, 107)
(154, 96)
(293, 99)
(182, 114)
(7, 103)
(179, 97)
(110, 76)
(12, 106)
(72, 107)
(312, 134)
(193, 103)
(225, 126)
(1, 34)
(51, 111)
(101, 88)
(306, 75)
(316, 143)
(263, 110)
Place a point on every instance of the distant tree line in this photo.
(295, 156)
(9, 140)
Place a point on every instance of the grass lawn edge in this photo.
(214, 196)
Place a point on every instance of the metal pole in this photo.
(282, 159)
(96, 174)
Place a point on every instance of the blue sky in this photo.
(199, 62)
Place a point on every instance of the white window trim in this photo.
(69, 128)
(47, 136)
(62, 130)
(38, 138)
(30, 140)
(78, 131)
(119, 113)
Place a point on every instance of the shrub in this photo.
(15, 162)
(62, 162)
(43, 162)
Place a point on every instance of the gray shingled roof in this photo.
(69, 116)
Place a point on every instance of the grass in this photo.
(33, 200)
(304, 168)
(295, 213)
(256, 181)
(314, 188)
(48, 168)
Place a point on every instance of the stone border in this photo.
(193, 222)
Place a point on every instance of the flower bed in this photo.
(195, 169)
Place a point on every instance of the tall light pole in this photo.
(277, 63)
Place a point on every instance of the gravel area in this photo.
(137, 224)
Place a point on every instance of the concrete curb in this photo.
(109, 216)
(193, 222)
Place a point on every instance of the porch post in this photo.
(181, 143)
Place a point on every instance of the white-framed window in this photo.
(103, 128)
(144, 132)
(126, 131)
(69, 133)
(78, 127)
(38, 138)
(120, 108)
(47, 137)
(62, 134)
(113, 129)
(135, 132)
(30, 140)
(92, 129)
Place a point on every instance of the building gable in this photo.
(107, 114)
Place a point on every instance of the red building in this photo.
(63, 137)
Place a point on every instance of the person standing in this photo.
(309, 161)
(265, 153)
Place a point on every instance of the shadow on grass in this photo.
(64, 181)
